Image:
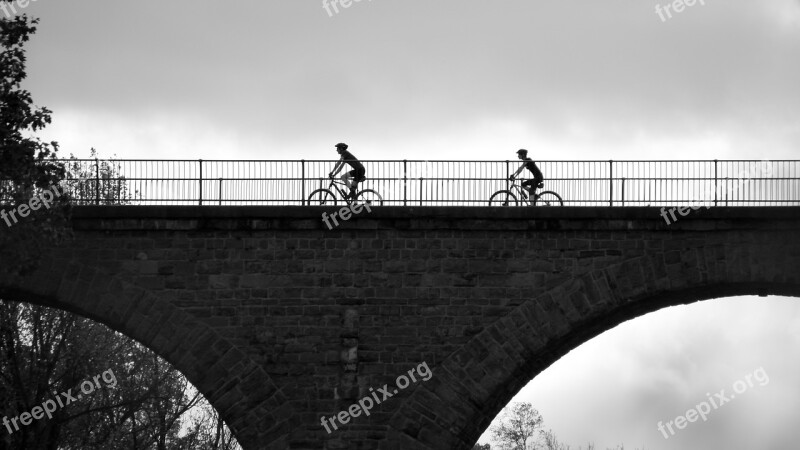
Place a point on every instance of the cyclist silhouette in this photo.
(538, 178)
(358, 173)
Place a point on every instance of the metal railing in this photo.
(436, 183)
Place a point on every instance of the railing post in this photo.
(508, 175)
(201, 181)
(96, 182)
(405, 182)
(303, 181)
(623, 191)
(610, 182)
(715, 181)
(220, 191)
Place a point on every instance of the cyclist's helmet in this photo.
(522, 152)
(341, 146)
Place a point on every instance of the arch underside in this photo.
(516, 348)
(206, 359)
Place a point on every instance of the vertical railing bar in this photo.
(508, 174)
(200, 194)
(610, 183)
(716, 162)
(405, 182)
(303, 180)
(421, 188)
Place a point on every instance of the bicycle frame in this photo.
(335, 183)
(522, 194)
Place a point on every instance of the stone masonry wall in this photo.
(279, 321)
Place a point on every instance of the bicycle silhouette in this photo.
(515, 195)
(326, 196)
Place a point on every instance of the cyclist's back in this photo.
(531, 166)
(348, 158)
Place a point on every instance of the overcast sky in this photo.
(570, 79)
(447, 79)
(615, 388)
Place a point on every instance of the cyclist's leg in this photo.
(537, 180)
(528, 186)
(359, 176)
(346, 179)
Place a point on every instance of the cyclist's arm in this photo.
(518, 171)
(337, 167)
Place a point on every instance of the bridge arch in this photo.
(234, 385)
(278, 320)
(473, 385)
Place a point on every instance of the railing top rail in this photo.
(438, 160)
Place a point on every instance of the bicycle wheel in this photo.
(548, 198)
(503, 198)
(369, 197)
(322, 197)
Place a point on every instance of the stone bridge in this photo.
(280, 321)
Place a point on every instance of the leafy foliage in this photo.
(98, 183)
(44, 352)
(516, 425)
(27, 165)
(149, 405)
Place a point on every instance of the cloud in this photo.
(581, 78)
(615, 388)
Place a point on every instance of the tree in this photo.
(209, 431)
(515, 425)
(140, 402)
(481, 447)
(100, 183)
(550, 442)
(44, 352)
(27, 165)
